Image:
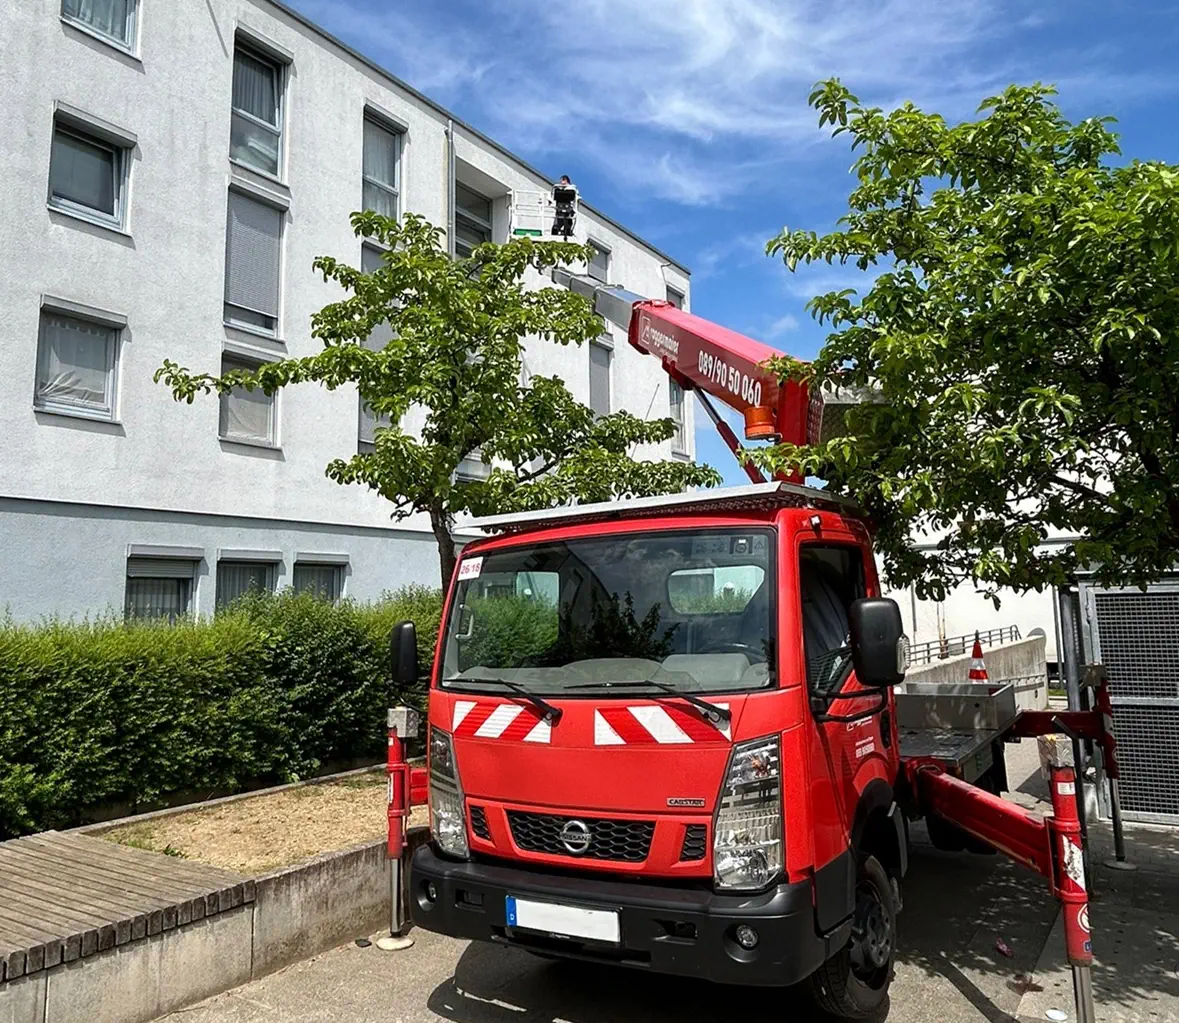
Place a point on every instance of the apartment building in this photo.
(172, 169)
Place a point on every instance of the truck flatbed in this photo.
(964, 754)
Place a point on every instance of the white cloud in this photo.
(780, 327)
(695, 101)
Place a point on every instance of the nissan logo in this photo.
(575, 836)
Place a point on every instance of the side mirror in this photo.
(880, 651)
(403, 653)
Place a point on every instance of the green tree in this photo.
(1021, 336)
(455, 357)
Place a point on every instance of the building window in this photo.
(599, 264)
(76, 362)
(676, 298)
(255, 133)
(472, 220)
(600, 357)
(472, 469)
(87, 176)
(372, 259)
(246, 416)
(159, 588)
(325, 581)
(237, 578)
(253, 244)
(679, 442)
(112, 19)
(382, 161)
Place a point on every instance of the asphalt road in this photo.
(956, 905)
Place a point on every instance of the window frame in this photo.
(280, 67)
(680, 297)
(338, 568)
(679, 440)
(836, 683)
(471, 220)
(608, 348)
(365, 179)
(131, 26)
(107, 412)
(269, 568)
(120, 167)
(245, 363)
(272, 332)
(606, 253)
(185, 575)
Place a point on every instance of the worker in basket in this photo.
(565, 200)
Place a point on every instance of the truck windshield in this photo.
(691, 609)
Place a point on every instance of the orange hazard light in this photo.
(759, 423)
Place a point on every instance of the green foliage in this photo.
(613, 631)
(112, 712)
(456, 332)
(1021, 335)
(509, 632)
(722, 602)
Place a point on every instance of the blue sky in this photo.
(687, 119)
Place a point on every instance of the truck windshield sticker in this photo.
(471, 568)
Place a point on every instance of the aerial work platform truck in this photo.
(663, 732)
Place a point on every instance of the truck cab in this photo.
(652, 743)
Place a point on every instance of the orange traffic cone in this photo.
(978, 667)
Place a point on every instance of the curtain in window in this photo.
(76, 359)
(255, 87)
(157, 598)
(252, 255)
(237, 578)
(599, 379)
(322, 580)
(106, 16)
(246, 415)
(82, 173)
(380, 154)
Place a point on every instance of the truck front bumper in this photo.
(672, 930)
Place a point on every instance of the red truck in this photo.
(663, 732)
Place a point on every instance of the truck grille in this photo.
(479, 823)
(625, 841)
(694, 839)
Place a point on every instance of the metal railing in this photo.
(952, 646)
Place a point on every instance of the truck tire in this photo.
(853, 983)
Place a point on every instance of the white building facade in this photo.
(172, 170)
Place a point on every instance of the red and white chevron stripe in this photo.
(507, 721)
(650, 724)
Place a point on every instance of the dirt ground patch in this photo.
(255, 835)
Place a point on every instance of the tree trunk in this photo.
(440, 523)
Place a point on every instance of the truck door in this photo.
(854, 733)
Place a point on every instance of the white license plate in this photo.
(566, 921)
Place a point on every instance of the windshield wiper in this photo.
(551, 714)
(711, 711)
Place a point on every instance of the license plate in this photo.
(565, 921)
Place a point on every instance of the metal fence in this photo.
(952, 646)
(1135, 634)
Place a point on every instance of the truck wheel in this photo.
(853, 983)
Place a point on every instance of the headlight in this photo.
(747, 847)
(448, 819)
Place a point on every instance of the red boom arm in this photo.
(703, 356)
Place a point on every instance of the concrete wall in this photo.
(1023, 660)
(966, 611)
(165, 274)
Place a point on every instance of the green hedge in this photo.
(105, 712)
